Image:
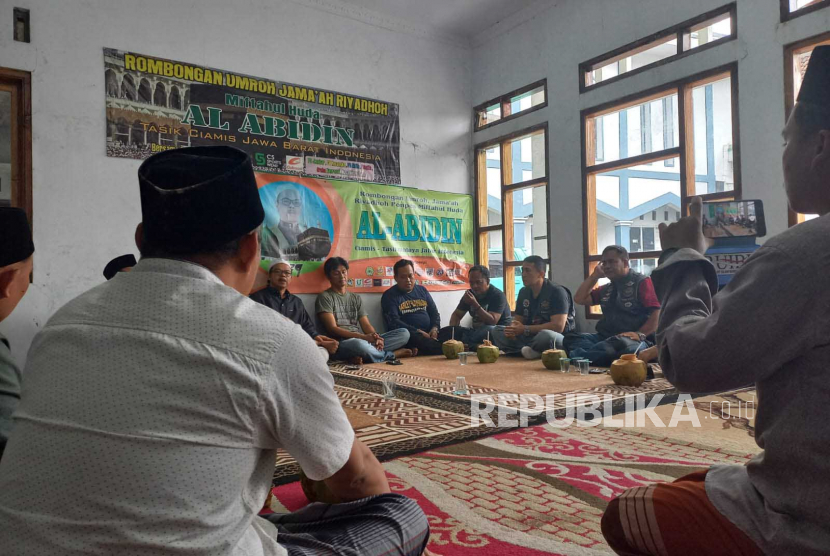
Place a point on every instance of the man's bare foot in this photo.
(403, 353)
(649, 354)
(355, 360)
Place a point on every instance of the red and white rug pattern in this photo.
(533, 491)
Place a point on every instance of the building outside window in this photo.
(512, 197)
(653, 161)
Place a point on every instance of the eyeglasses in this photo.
(289, 203)
(281, 272)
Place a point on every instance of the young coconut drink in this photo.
(487, 352)
(452, 347)
(628, 370)
(551, 357)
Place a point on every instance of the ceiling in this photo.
(455, 18)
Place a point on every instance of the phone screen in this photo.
(733, 219)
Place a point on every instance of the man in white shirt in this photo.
(154, 403)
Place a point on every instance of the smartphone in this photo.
(733, 219)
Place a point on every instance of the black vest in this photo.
(621, 307)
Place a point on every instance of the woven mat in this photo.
(508, 374)
(394, 427)
(360, 420)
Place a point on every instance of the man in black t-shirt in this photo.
(544, 313)
(486, 305)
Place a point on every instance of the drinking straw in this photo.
(453, 333)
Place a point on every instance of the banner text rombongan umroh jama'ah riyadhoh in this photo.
(153, 104)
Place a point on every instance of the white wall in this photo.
(550, 39)
(86, 205)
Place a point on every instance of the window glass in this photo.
(530, 223)
(712, 115)
(654, 52)
(710, 31)
(5, 148)
(630, 194)
(646, 128)
(493, 180)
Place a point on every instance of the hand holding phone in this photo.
(686, 233)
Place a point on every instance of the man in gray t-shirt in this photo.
(344, 319)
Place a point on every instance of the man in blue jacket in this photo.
(407, 305)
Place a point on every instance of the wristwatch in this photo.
(527, 331)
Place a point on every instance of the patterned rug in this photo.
(542, 490)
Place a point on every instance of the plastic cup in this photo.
(460, 386)
(462, 357)
(564, 364)
(389, 384)
(583, 366)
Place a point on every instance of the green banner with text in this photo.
(372, 226)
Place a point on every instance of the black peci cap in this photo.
(117, 265)
(197, 198)
(15, 236)
(816, 84)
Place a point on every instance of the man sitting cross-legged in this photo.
(277, 297)
(409, 305)
(629, 310)
(768, 327)
(158, 400)
(544, 312)
(486, 305)
(344, 318)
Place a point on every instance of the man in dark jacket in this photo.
(629, 310)
(277, 297)
(407, 305)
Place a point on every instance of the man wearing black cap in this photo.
(124, 263)
(769, 327)
(16, 249)
(157, 400)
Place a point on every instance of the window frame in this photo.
(681, 31)
(790, 51)
(481, 232)
(684, 151)
(504, 101)
(19, 84)
(787, 15)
